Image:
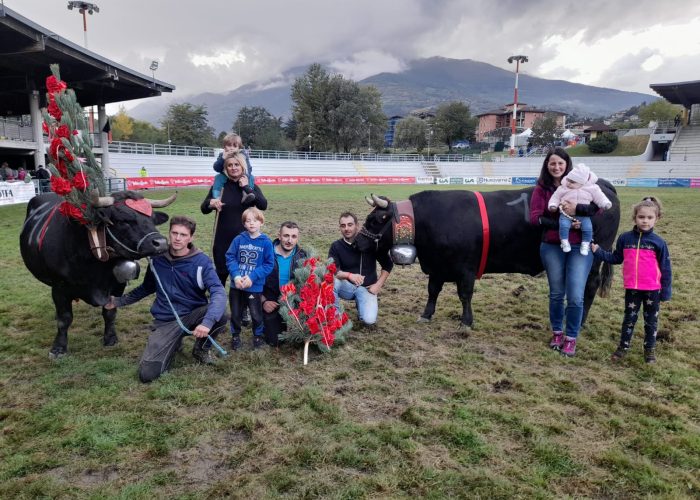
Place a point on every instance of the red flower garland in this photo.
(60, 186)
(80, 181)
(62, 156)
(316, 313)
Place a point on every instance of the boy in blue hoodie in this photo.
(249, 260)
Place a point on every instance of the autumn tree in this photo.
(122, 126)
(453, 121)
(411, 132)
(189, 125)
(148, 133)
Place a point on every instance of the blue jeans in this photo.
(367, 305)
(567, 274)
(586, 228)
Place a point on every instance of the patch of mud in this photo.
(201, 463)
(88, 478)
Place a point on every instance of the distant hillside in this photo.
(425, 83)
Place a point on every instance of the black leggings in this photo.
(636, 301)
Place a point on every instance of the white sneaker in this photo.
(565, 246)
(585, 246)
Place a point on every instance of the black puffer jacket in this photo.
(271, 289)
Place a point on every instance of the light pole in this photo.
(518, 60)
(369, 139)
(83, 8)
(153, 68)
(309, 137)
(430, 140)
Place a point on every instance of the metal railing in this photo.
(159, 149)
(112, 184)
(169, 149)
(16, 130)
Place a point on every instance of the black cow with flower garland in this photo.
(81, 243)
(460, 235)
(89, 263)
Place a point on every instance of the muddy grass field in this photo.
(410, 410)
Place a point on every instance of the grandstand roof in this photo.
(685, 93)
(27, 50)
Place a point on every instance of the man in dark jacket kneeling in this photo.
(288, 256)
(187, 275)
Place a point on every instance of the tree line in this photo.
(329, 113)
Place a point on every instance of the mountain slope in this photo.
(425, 83)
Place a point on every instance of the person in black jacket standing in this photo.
(288, 257)
(229, 210)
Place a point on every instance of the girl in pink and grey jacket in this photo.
(646, 271)
(579, 187)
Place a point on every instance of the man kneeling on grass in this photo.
(187, 275)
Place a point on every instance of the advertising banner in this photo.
(524, 181)
(163, 182)
(674, 182)
(498, 180)
(442, 180)
(16, 192)
(159, 182)
(642, 182)
(695, 183)
(470, 180)
(424, 180)
(618, 181)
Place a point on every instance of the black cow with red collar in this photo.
(57, 251)
(450, 239)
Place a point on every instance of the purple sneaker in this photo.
(569, 349)
(557, 340)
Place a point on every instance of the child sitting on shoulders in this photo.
(232, 144)
(578, 186)
(646, 271)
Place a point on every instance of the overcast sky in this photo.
(218, 45)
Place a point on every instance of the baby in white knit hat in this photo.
(578, 187)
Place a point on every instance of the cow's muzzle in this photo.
(152, 243)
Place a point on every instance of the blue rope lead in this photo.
(177, 318)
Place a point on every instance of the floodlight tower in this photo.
(83, 8)
(518, 60)
(153, 68)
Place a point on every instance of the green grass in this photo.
(627, 146)
(407, 411)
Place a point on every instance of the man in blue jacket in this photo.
(187, 275)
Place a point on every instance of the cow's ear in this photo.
(103, 215)
(159, 218)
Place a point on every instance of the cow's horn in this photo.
(369, 200)
(162, 203)
(380, 202)
(101, 201)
